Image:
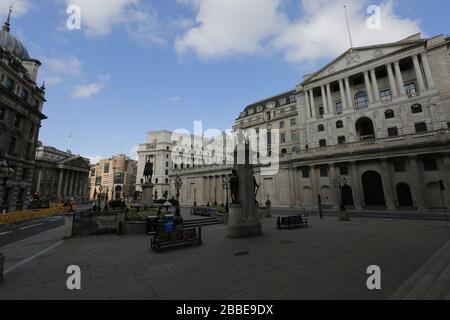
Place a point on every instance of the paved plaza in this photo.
(326, 261)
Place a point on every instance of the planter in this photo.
(135, 227)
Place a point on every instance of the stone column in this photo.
(356, 186)
(324, 100)
(76, 191)
(60, 184)
(387, 185)
(419, 75)
(392, 83)
(349, 94)
(330, 99)
(368, 87)
(376, 90)
(427, 69)
(308, 105)
(315, 188)
(418, 186)
(313, 104)
(334, 193)
(343, 97)
(38, 186)
(400, 82)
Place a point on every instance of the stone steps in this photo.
(201, 223)
(431, 281)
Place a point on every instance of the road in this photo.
(20, 231)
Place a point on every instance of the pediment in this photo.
(357, 56)
(77, 162)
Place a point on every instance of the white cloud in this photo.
(134, 152)
(56, 70)
(231, 27)
(256, 27)
(95, 159)
(87, 91)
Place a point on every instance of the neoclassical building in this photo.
(372, 125)
(61, 175)
(21, 104)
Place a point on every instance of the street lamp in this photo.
(178, 183)
(6, 173)
(226, 186)
(338, 184)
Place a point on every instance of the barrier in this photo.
(21, 216)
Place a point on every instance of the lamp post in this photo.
(338, 183)
(6, 173)
(226, 186)
(178, 183)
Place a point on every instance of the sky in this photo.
(135, 66)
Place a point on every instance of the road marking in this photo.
(33, 257)
(5, 233)
(32, 226)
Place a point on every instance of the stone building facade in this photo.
(61, 175)
(373, 132)
(116, 177)
(21, 103)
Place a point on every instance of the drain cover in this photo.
(244, 253)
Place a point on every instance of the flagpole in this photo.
(348, 27)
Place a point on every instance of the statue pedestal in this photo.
(241, 225)
(147, 194)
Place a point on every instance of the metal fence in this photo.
(93, 223)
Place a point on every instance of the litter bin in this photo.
(152, 223)
(169, 224)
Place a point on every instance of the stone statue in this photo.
(148, 172)
(234, 187)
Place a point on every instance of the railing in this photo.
(21, 216)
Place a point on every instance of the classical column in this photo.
(315, 188)
(313, 104)
(392, 84)
(60, 184)
(343, 97)
(76, 191)
(418, 187)
(330, 99)
(376, 90)
(308, 105)
(427, 69)
(334, 193)
(400, 82)
(368, 86)
(356, 186)
(324, 100)
(350, 104)
(419, 75)
(38, 186)
(387, 185)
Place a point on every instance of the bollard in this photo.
(2, 263)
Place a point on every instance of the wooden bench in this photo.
(187, 237)
(293, 222)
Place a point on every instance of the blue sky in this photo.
(140, 65)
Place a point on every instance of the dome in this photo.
(10, 43)
(13, 45)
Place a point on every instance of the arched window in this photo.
(283, 151)
(389, 114)
(321, 128)
(416, 108)
(339, 124)
(361, 100)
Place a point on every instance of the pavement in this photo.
(328, 260)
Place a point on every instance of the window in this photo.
(361, 100)
(293, 122)
(93, 173)
(322, 143)
(119, 178)
(283, 137)
(305, 173)
(167, 172)
(106, 168)
(283, 151)
(324, 172)
(416, 108)
(16, 120)
(167, 181)
(339, 124)
(421, 127)
(295, 149)
(389, 114)
(339, 107)
(343, 170)
(386, 96)
(281, 124)
(321, 112)
(283, 101)
(293, 99)
(167, 164)
(269, 117)
(12, 145)
(430, 165)
(393, 132)
(35, 103)
(399, 166)
(295, 137)
(9, 84)
(2, 112)
(24, 94)
(98, 181)
(411, 90)
(156, 180)
(321, 128)
(341, 140)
